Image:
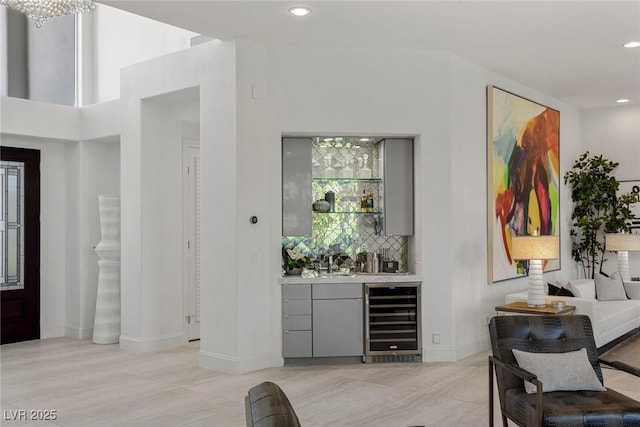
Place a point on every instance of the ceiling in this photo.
(569, 50)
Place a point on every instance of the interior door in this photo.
(191, 228)
(19, 244)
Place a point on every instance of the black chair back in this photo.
(539, 334)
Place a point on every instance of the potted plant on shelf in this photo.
(597, 209)
(294, 260)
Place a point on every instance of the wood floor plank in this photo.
(92, 385)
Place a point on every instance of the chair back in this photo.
(538, 334)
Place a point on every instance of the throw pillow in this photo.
(568, 371)
(583, 288)
(559, 291)
(609, 288)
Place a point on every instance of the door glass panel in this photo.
(12, 254)
(12, 195)
(11, 226)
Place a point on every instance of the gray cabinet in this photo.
(397, 194)
(296, 321)
(337, 320)
(322, 320)
(296, 186)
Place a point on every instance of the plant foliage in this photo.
(596, 209)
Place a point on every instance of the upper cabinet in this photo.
(397, 176)
(352, 180)
(296, 186)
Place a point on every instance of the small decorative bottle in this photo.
(363, 201)
(365, 172)
(329, 172)
(370, 202)
(347, 172)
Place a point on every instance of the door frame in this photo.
(188, 232)
(31, 328)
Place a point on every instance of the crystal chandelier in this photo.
(41, 10)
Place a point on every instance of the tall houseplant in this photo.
(597, 209)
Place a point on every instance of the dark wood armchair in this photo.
(552, 334)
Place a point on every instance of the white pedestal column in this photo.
(106, 329)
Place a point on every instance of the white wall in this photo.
(474, 299)
(441, 99)
(249, 96)
(615, 133)
(115, 39)
(73, 173)
(151, 199)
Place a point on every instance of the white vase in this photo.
(106, 328)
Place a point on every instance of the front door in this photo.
(19, 244)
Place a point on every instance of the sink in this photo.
(337, 274)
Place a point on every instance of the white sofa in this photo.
(610, 319)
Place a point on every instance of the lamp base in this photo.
(623, 265)
(535, 294)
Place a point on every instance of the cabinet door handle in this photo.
(286, 315)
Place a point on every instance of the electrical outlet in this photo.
(435, 338)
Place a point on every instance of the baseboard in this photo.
(451, 354)
(439, 354)
(144, 345)
(233, 365)
(473, 347)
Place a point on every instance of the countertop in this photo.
(357, 278)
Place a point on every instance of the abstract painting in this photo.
(523, 174)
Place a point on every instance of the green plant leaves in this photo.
(597, 209)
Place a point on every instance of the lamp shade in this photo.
(622, 242)
(535, 247)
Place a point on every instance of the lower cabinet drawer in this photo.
(296, 306)
(296, 343)
(296, 323)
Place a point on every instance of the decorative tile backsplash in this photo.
(349, 168)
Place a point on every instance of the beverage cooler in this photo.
(392, 322)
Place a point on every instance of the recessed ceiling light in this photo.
(622, 100)
(632, 44)
(299, 11)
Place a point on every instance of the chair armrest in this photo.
(514, 369)
(520, 373)
(621, 367)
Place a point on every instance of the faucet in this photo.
(330, 266)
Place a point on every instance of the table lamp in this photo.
(622, 243)
(535, 249)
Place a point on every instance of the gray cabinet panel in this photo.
(296, 186)
(296, 322)
(296, 291)
(296, 306)
(398, 186)
(296, 344)
(337, 290)
(337, 327)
